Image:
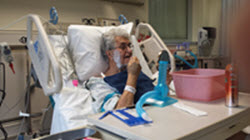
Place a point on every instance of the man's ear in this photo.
(109, 53)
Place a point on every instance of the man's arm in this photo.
(127, 97)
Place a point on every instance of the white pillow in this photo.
(84, 45)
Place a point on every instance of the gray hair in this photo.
(109, 40)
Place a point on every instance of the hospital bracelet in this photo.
(130, 89)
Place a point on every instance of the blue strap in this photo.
(106, 99)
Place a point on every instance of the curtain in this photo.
(230, 9)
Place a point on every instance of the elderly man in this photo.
(122, 83)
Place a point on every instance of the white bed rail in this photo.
(154, 41)
(43, 57)
(138, 53)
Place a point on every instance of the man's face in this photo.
(123, 46)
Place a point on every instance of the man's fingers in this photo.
(134, 59)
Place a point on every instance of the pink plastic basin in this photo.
(200, 84)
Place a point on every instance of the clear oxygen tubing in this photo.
(195, 65)
(160, 93)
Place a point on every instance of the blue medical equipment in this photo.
(53, 16)
(186, 47)
(123, 19)
(126, 117)
(160, 92)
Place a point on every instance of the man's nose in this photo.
(129, 50)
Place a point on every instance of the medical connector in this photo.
(159, 96)
(53, 16)
(123, 19)
(6, 53)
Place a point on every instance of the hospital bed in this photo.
(59, 73)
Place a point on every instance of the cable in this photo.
(27, 98)
(46, 21)
(27, 92)
(3, 97)
(42, 18)
(11, 108)
(1, 101)
(56, 28)
(14, 22)
(4, 132)
(4, 78)
(3, 90)
(24, 17)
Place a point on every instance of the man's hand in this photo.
(134, 70)
(134, 67)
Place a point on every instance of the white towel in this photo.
(189, 109)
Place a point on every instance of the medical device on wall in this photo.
(206, 38)
(88, 21)
(53, 16)
(6, 53)
(108, 21)
(123, 19)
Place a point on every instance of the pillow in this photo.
(84, 45)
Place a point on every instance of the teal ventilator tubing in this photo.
(195, 65)
(186, 46)
(160, 92)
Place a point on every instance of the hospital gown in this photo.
(100, 90)
(119, 80)
(106, 92)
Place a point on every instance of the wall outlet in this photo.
(108, 22)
